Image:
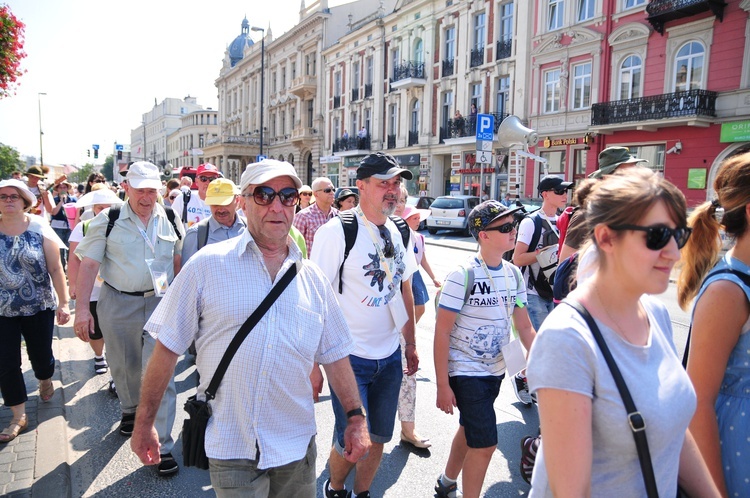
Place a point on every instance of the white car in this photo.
(450, 212)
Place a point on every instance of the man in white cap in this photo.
(222, 196)
(137, 254)
(374, 283)
(260, 439)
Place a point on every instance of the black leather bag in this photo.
(194, 433)
(199, 412)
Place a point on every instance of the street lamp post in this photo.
(262, 78)
(41, 133)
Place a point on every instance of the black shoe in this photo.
(331, 493)
(112, 389)
(167, 466)
(127, 423)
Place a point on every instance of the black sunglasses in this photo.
(658, 236)
(558, 191)
(263, 196)
(207, 178)
(326, 190)
(172, 197)
(504, 228)
(388, 251)
(98, 181)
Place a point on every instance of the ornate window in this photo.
(552, 91)
(555, 11)
(689, 64)
(630, 78)
(582, 86)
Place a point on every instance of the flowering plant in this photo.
(11, 50)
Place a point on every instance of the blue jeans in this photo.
(379, 382)
(475, 399)
(538, 309)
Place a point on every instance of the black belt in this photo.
(147, 293)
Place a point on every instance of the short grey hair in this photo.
(321, 180)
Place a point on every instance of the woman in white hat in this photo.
(29, 268)
(98, 200)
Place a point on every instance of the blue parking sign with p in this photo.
(485, 127)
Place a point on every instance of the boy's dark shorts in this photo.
(475, 399)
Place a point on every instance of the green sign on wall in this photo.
(737, 131)
(696, 178)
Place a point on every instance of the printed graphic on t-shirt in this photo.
(379, 277)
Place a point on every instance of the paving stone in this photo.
(6, 457)
(24, 475)
(18, 488)
(21, 455)
(19, 465)
(24, 446)
(5, 478)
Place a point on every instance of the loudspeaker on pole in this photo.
(513, 132)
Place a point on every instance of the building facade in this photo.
(185, 145)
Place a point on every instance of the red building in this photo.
(668, 78)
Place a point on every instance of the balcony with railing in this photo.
(336, 101)
(466, 126)
(408, 74)
(660, 12)
(304, 86)
(413, 138)
(355, 94)
(504, 48)
(391, 141)
(355, 144)
(303, 133)
(368, 90)
(448, 67)
(477, 57)
(691, 105)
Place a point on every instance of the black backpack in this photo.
(114, 213)
(565, 280)
(351, 227)
(538, 282)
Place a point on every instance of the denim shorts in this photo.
(475, 399)
(379, 382)
(419, 289)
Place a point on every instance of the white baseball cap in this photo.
(266, 170)
(143, 174)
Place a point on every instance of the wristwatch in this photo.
(357, 411)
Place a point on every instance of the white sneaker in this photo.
(521, 388)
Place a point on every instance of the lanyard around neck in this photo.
(384, 262)
(151, 243)
(507, 305)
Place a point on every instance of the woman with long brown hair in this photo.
(637, 224)
(719, 349)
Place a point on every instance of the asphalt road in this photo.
(102, 464)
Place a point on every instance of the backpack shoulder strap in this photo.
(537, 231)
(468, 282)
(350, 226)
(202, 232)
(112, 215)
(403, 228)
(185, 201)
(171, 217)
(85, 226)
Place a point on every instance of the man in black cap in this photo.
(538, 233)
(374, 286)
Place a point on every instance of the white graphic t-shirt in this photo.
(197, 210)
(482, 326)
(369, 299)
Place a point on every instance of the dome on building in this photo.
(237, 47)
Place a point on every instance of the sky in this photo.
(101, 64)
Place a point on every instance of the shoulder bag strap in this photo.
(635, 419)
(249, 324)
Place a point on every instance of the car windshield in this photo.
(448, 203)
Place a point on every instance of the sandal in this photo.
(100, 365)
(14, 429)
(46, 389)
(529, 447)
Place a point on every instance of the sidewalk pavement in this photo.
(35, 464)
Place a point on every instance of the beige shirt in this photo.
(123, 254)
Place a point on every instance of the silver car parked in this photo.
(450, 212)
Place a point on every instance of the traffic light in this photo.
(88, 152)
(96, 153)
(119, 155)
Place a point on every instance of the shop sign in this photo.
(696, 178)
(738, 131)
(408, 159)
(352, 161)
(555, 142)
(330, 159)
(476, 171)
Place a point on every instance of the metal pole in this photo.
(41, 133)
(262, 78)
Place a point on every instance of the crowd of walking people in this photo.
(265, 282)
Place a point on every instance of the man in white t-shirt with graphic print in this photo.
(197, 209)
(469, 337)
(378, 305)
(554, 193)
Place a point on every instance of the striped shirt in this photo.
(265, 399)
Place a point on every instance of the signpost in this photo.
(485, 137)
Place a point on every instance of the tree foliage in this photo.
(10, 161)
(11, 50)
(107, 168)
(82, 174)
